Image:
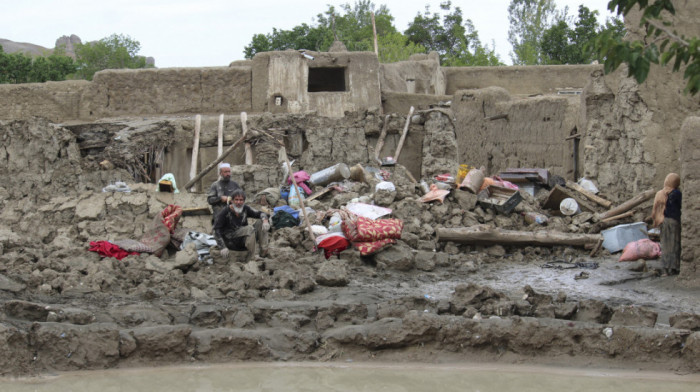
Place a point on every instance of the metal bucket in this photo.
(337, 172)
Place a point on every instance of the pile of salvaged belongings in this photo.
(162, 231)
(363, 229)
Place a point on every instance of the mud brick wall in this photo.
(519, 80)
(55, 101)
(529, 133)
(168, 91)
(690, 215)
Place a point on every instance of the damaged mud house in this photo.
(464, 279)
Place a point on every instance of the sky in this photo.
(203, 33)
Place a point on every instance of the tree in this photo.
(115, 51)
(562, 44)
(454, 39)
(20, 68)
(353, 27)
(661, 44)
(528, 21)
(15, 68)
(396, 47)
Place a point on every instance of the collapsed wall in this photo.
(498, 131)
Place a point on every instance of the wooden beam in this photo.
(590, 196)
(480, 236)
(195, 148)
(248, 150)
(214, 163)
(220, 137)
(616, 217)
(380, 141)
(628, 205)
(403, 135)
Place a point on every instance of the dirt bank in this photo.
(65, 308)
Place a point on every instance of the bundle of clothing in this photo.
(161, 232)
(366, 234)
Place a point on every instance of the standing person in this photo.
(231, 229)
(666, 213)
(221, 191)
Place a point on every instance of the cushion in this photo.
(372, 247)
(369, 230)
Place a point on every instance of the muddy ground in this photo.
(65, 308)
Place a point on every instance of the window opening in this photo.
(326, 79)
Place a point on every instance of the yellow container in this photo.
(461, 173)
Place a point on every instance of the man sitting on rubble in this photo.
(220, 192)
(231, 229)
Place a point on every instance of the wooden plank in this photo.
(588, 195)
(559, 193)
(194, 211)
(318, 194)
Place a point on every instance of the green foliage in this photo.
(661, 44)
(562, 44)
(529, 19)
(352, 25)
(115, 51)
(395, 47)
(20, 68)
(354, 28)
(454, 39)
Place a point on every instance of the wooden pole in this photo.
(589, 195)
(616, 217)
(195, 148)
(403, 135)
(374, 31)
(248, 150)
(214, 163)
(220, 144)
(380, 141)
(283, 153)
(628, 205)
(479, 236)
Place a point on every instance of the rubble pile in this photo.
(63, 307)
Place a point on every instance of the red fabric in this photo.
(371, 247)
(171, 215)
(369, 230)
(333, 245)
(108, 249)
(301, 177)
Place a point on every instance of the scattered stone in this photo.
(332, 273)
(685, 321)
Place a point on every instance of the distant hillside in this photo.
(26, 48)
(68, 42)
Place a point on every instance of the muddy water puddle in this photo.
(354, 377)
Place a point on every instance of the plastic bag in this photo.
(334, 223)
(295, 195)
(641, 249)
(588, 185)
(385, 186)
